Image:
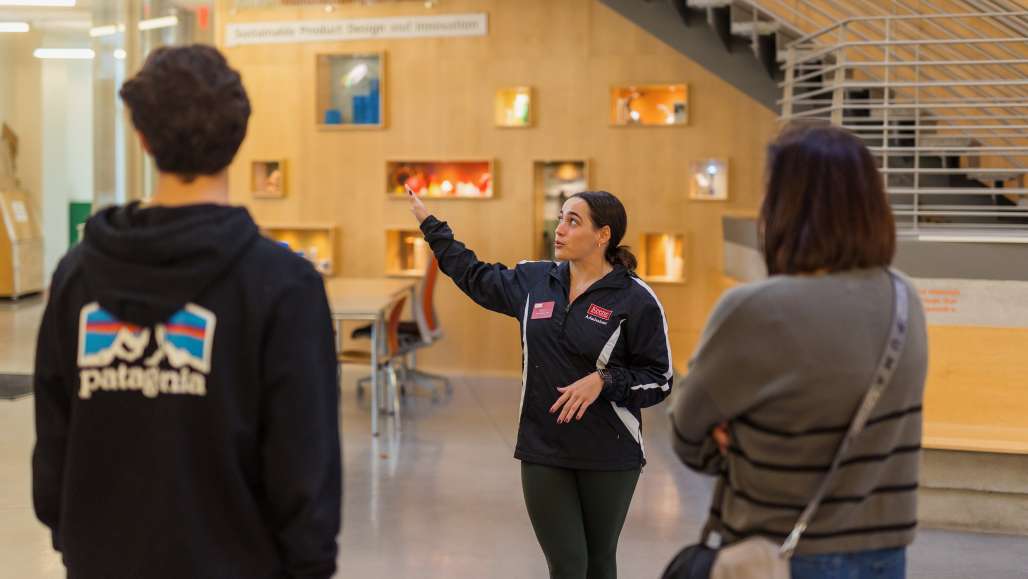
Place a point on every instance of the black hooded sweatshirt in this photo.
(186, 403)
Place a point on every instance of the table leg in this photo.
(375, 326)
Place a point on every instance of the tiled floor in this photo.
(19, 322)
(442, 499)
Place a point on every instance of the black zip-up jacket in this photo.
(186, 403)
(617, 324)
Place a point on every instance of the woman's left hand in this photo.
(722, 437)
(577, 397)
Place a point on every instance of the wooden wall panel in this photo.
(975, 399)
(439, 95)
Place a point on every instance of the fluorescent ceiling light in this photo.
(39, 3)
(154, 23)
(14, 26)
(98, 31)
(64, 53)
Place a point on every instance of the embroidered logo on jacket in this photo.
(598, 314)
(111, 353)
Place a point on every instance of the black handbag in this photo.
(692, 562)
(757, 557)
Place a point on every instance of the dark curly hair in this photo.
(606, 210)
(191, 109)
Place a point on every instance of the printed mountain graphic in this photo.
(185, 340)
(104, 339)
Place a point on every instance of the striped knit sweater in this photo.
(786, 363)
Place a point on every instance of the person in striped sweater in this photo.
(784, 363)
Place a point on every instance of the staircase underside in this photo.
(703, 45)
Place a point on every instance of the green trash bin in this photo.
(78, 213)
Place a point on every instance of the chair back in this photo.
(393, 325)
(425, 314)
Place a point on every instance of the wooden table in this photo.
(366, 299)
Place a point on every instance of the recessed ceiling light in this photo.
(120, 54)
(64, 53)
(39, 3)
(155, 23)
(14, 26)
(98, 31)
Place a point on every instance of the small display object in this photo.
(662, 258)
(21, 246)
(407, 253)
(441, 179)
(514, 107)
(21, 237)
(268, 179)
(555, 181)
(708, 180)
(314, 242)
(649, 105)
(350, 91)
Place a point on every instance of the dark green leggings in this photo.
(577, 516)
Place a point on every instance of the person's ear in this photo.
(604, 235)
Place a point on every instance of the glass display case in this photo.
(662, 257)
(513, 108)
(350, 91)
(708, 180)
(268, 179)
(441, 179)
(407, 253)
(315, 242)
(555, 181)
(651, 105)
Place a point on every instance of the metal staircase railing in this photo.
(942, 99)
(938, 89)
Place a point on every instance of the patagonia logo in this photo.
(112, 355)
(598, 314)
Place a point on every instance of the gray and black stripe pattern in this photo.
(786, 362)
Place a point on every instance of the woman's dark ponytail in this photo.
(622, 255)
(606, 210)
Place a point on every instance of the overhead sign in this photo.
(449, 25)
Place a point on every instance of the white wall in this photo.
(5, 71)
(49, 104)
(67, 148)
(20, 107)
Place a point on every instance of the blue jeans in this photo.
(883, 564)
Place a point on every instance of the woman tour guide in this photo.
(595, 351)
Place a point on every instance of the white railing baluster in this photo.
(961, 94)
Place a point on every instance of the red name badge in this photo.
(597, 311)
(542, 311)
